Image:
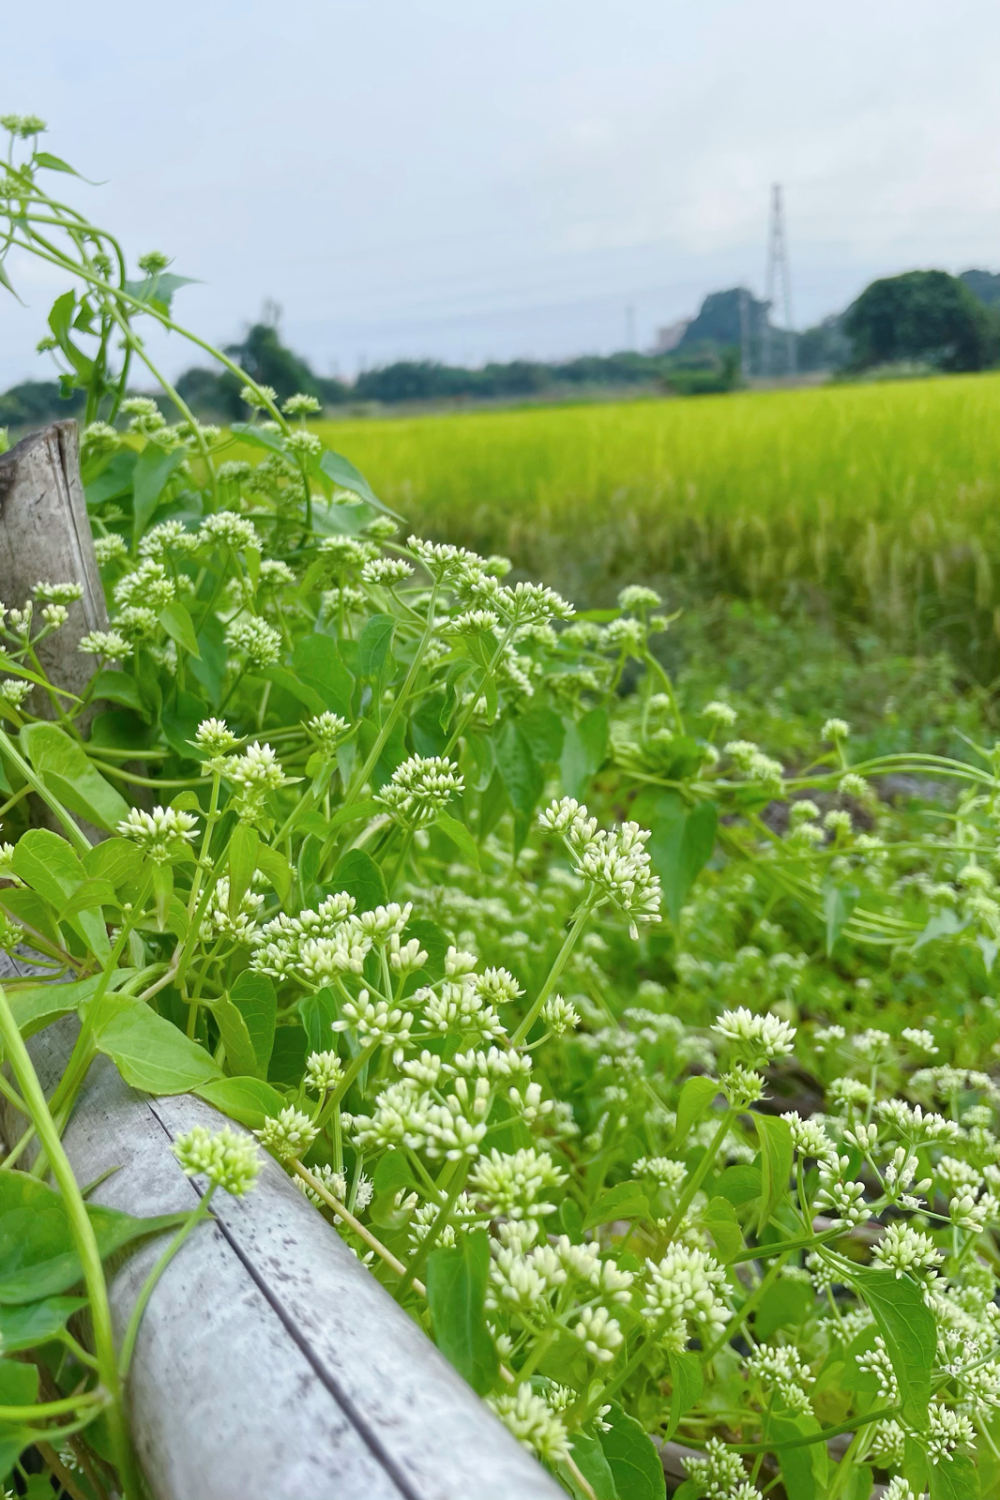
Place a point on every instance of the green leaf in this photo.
(942, 924)
(860, 1483)
(18, 1383)
(37, 1006)
(319, 664)
(153, 469)
(61, 316)
(243, 847)
(177, 622)
(723, 1225)
(241, 1058)
(253, 996)
(680, 846)
(346, 477)
(53, 163)
(150, 1053)
(839, 902)
(784, 1305)
(159, 289)
(273, 865)
(740, 1184)
(114, 481)
(916, 1465)
(804, 1469)
(625, 1200)
(111, 686)
(288, 1056)
(47, 863)
(373, 645)
(686, 1386)
(585, 745)
(776, 1152)
(522, 777)
(311, 697)
(91, 895)
(634, 1462)
(63, 766)
(588, 1456)
(250, 1101)
(460, 837)
(907, 1325)
(359, 875)
(37, 1254)
(695, 1098)
(456, 1293)
(955, 1478)
(318, 1013)
(36, 1322)
(116, 860)
(543, 729)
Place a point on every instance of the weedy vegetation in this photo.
(637, 1035)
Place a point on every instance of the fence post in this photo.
(45, 538)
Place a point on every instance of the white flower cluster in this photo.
(684, 1297)
(165, 834)
(227, 1158)
(419, 789)
(615, 862)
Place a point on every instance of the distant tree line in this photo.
(921, 317)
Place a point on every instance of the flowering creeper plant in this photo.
(557, 988)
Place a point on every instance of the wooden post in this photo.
(45, 538)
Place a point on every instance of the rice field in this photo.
(879, 503)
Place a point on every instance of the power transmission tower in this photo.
(778, 280)
(744, 333)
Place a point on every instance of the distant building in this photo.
(667, 339)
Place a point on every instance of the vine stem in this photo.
(701, 1172)
(196, 1217)
(361, 1230)
(553, 975)
(443, 1215)
(86, 1246)
(352, 793)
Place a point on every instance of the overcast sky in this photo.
(465, 180)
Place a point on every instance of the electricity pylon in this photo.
(777, 279)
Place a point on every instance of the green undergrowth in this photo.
(619, 983)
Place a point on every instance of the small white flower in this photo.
(761, 1036)
(225, 1157)
(259, 642)
(287, 1135)
(533, 1423)
(164, 834)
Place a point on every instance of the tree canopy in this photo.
(922, 315)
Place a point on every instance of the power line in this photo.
(777, 277)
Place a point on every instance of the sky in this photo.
(462, 180)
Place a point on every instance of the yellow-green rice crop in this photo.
(880, 500)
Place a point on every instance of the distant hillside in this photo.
(705, 358)
(983, 284)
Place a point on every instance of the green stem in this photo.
(149, 1286)
(700, 1173)
(85, 1241)
(553, 976)
(443, 1215)
(76, 836)
(359, 782)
